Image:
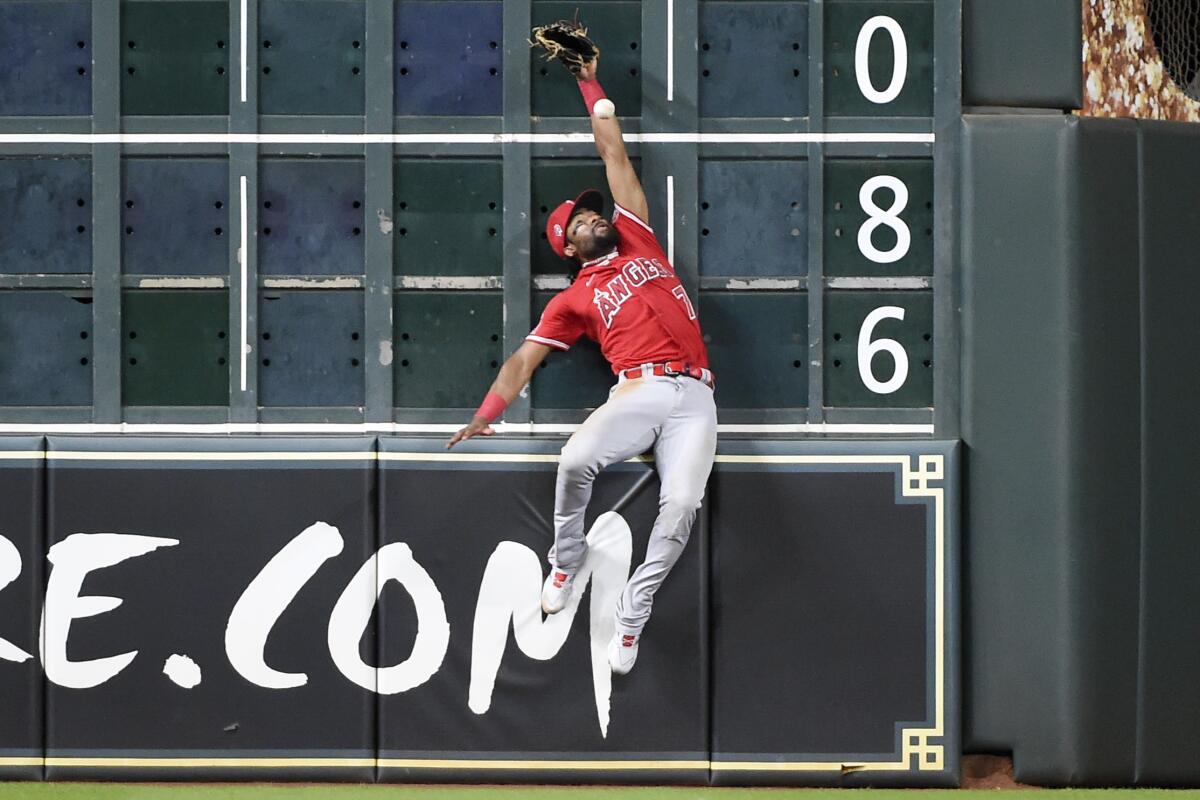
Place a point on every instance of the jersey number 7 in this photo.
(679, 292)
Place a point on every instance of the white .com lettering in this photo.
(508, 598)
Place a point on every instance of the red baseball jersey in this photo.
(630, 301)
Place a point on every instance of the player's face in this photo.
(590, 235)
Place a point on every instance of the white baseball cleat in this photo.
(622, 652)
(557, 591)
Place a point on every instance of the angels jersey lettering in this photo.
(630, 302)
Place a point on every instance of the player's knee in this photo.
(680, 500)
(577, 462)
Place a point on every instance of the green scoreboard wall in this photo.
(331, 211)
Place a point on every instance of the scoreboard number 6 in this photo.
(862, 59)
(868, 349)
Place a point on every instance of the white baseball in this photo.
(604, 109)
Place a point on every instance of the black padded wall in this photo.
(22, 546)
(210, 516)
(346, 608)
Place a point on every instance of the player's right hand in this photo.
(479, 427)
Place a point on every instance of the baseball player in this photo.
(626, 296)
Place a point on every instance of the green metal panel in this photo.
(846, 217)
(311, 56)
(552, 182)
(175, 57)
(616, 27)
(448, 217)
(174, 348)
(757, 347)
(578, 378)
(844, 23)
(1009, 62)
(447, 347)
(845, 314)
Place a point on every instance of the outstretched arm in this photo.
(514, 374)
(623, 182)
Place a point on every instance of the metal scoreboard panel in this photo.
(797, 157)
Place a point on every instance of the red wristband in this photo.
(591, 91)
(493, 405)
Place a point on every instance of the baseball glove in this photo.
(567, 41)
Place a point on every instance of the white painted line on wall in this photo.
(879, 283)
(752, 284)
(202, 455)
(212, 282)
(551, 282)
(460, 138)
(450, 282)
(783, 138)
(671, 220)
(244, 313)
(341, 282)
(670, 51)
(226, 428)
(888, 428)
(245, 46)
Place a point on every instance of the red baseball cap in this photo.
(556, 226)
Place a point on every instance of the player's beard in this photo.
(600, 245)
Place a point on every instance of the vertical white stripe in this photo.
(671, 220)
(245, 44)
(670, 51)
(242, 259)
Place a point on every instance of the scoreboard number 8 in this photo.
(877, 216)
(868, 349)
(862, 60)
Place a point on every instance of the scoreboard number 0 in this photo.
(868, 349)
(862, 61)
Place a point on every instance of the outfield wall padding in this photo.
(1168, 735)
(1080, 447)
(871, 677)
(22, 539)
(361, 609)
(220, 518)
(478, 528)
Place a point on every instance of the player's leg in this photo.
(623, 427)
(683, 456)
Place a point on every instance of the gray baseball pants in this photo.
(678, 417)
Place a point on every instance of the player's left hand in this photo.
(567, 41)
(588, 71)
(479, 427)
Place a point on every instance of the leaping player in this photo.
(626, 296)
